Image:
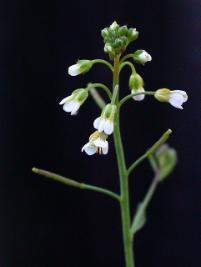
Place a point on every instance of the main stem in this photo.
(123, 175)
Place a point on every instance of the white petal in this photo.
(108, 127)
(138, 97)
(96, 123)
(66, 99)
(183, 93)
(75, 108)
(176, 100)
(74, 70)
(101, 125)
(89, 148)
(71, 106)
(100, 143)
(145, 57)
(105, 149)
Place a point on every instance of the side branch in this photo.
(151, 151)
(128, 97)
(102, 61)
(97, 98)
(70, 182)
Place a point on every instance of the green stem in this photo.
(126, 57)
(123, 175)
(97, 98)
(127, 63)
(128, 97)
(102, 86)
(150, 152)
(75, 184)
(102, 61)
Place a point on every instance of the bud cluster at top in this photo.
(117, 38)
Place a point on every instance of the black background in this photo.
(45, 224)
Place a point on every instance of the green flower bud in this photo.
(141, 56)
(81, 66)
(135, 81)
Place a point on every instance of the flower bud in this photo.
(73, 102)
(136, 85)
(81, 66)
(132, 34)
(176, 97)
(105, 123)
(141, 56)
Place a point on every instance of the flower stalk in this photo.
(161, 158)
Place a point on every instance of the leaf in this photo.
(167, 160)
(140, 219)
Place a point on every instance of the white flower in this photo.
(142, 56)
(139, 97)
(73, 102)
(136, 85)
(81, 66)
(176, 97)
(74, 70)
(97, 144)
(105, 123)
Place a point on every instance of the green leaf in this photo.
(167, 160)
(140, 219)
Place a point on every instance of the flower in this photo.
(97, 144)
(136, 85)
(81, 66)
(105, 123)
(73, 102)
(176, 97)
(141, 56)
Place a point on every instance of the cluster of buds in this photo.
(117, 38)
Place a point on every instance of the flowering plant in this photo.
(162, 158)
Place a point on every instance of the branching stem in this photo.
(75, 184)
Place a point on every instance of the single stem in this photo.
(128, 97)
(123, 175)
(144, 204)
(161, 141)
(127, 63)
(102, 61)
(136, 163)
(102, 86)
(126, 57)
(75, 184)
(97, 98)
(150, 152)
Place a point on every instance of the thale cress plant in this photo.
(162, 158)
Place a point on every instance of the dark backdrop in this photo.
(45, 224)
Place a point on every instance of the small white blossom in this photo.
(144, 57)
(176, 97)
(73, 102)
(97, 144)
(136, 85)
(138, 91)
(105, 123)
(81, 66)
